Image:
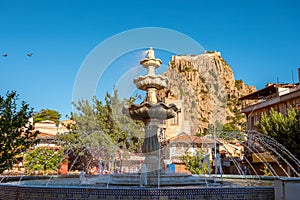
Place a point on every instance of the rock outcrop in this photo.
(206, 85)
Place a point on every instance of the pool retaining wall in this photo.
(79, 193)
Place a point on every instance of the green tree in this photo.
(101, 130)
(229, 127)
(194, 163)
(284, 129)
(16, 133)
(47, 114)
(85, 137)
(129, 131)
(230, 132)
(42, 159)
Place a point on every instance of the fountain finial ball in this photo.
(151, 53)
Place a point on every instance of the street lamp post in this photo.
(215, 130)
(215, 139)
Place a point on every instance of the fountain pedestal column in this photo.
(151, 140)
(151, 146)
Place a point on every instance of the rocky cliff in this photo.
(209, 93)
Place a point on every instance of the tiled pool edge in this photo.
(80, 193)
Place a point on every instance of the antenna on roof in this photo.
(277, 80)
(293, 78)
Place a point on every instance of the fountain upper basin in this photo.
(146, 110)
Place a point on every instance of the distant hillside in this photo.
(207, 86)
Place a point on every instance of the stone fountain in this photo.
(151, 112)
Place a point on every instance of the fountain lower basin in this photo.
(69, 188)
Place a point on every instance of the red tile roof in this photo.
(192, 139)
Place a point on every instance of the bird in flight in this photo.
(5, 55)
(29, 54)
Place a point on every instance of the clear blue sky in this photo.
(258, 39)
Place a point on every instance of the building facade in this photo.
(172, 127)
(280, 97)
